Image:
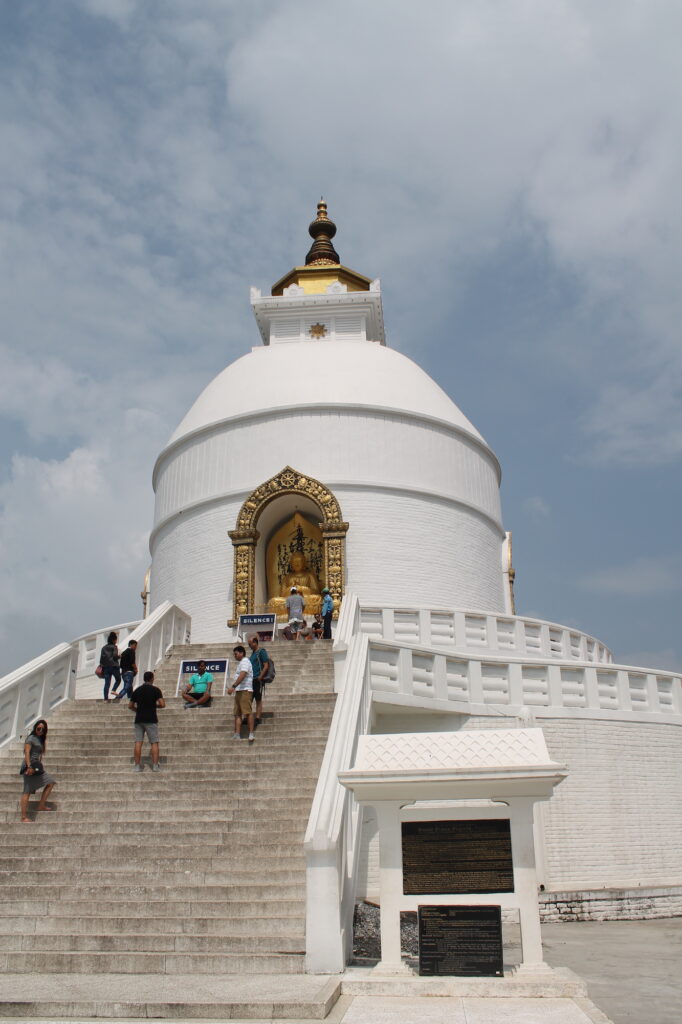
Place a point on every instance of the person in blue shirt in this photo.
(327, 609)
(260, 662)
(197, 693)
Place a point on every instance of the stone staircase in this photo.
(194, 876)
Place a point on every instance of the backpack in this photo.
(271, 671)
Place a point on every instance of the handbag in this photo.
(99, 671)
(37, 768)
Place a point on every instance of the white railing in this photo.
(418, 676)
(536, 679)
(90, 645)
(35, 689)
(479, 630)
(332, 836)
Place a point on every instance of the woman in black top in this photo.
(35, 776)
(108, 659)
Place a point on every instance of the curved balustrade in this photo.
(478, 630)
(32, 691)
(402, 673)
(90, 645)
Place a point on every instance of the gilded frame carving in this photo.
(245, 536)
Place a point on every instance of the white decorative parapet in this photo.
(407, 675)
(478, 630)
(35, 689)
(165, 626)
(90, 644)
(332, 836)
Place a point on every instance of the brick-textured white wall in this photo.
(400, 549)
(353, 445)
(192, 566)
(614, 823)
(422, 502)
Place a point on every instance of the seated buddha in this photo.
(306, 583)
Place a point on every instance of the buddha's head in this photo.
(297, 561)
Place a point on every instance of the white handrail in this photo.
(165, 626)
(331, 840)
(35, 689)
(402, 673)
(472, 629)
(90, 645)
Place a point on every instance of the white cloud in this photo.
(537, 508)
(642, 577)
(159, 159)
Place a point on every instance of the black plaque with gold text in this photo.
(457, 856)
(464, 941)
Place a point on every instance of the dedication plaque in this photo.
(457, 856)
(465, 941)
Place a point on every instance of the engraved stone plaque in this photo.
(457, 856)
(463, 941)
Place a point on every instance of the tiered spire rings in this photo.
(322, 253)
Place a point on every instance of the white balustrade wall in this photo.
(402, 673)
(479, 630)
(396, 656)
(90, 645)
(332, 840)
(37, 688)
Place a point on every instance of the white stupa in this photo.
(325, 401)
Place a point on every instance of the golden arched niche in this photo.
(245, 536)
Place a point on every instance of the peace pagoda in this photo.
(324, 458)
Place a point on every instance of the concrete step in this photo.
(134, 909)
(235, 928)
(51, 962)
(139, 877)
(108, 890)
(148, 942)
(180, 997)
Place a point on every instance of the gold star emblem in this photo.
(317, 331)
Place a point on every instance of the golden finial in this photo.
(322, 230)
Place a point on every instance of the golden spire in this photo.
(322, 253)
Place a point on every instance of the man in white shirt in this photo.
(242, 688)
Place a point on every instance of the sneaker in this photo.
(251, 737)
(156, 767)
(138, 768)
(236, 736)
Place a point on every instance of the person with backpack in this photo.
(263, 673)
(109, 665)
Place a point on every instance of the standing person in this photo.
(327, 609)
(242, 688)
(144, 702)
(35, 776)
(108, 659)
(197, 693)
(260, 663)
(295, 606)
(128, 670)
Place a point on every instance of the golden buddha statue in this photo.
(306, 583)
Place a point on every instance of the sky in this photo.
(509, 169)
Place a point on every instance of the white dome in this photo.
(414, 479)
(309, 373)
